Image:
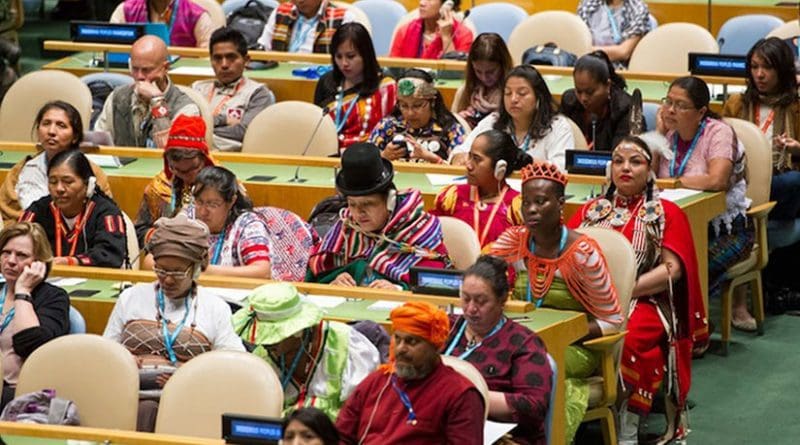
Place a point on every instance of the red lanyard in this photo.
(767, 122)
(476, 213)
(225, 100)
(72, 237)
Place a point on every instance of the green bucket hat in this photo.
(272, 313)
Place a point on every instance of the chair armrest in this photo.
(761, 211)
(605, 342)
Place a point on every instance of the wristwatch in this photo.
(24, 297)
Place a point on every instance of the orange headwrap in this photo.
(421, 319)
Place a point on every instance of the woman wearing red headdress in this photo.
(563, 270)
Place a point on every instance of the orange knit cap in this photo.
(543, 170)
(187, 133)
(423, 320)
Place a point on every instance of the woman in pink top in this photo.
(705, 155)
(434, 33)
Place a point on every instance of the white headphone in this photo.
(91, 187)
(391, 200)
(500, 169)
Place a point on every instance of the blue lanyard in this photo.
(689, 152)
(614, 27)
(172, 20)
(170, 337)
(562, 244)
(299, 38)
(412, 418)
(340, 122)
(287, 375)
(218, 247)
(9, 316)
(525, 142)
(460, 333)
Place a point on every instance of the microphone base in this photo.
(297, 180)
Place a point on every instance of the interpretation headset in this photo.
(91, 187)
(391, 200)
(500, 169)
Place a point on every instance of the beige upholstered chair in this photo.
(213, 383)
(461, 241)
(27, 95)
(565, 29)
(759, 179)
(603, 389)
(96, 373)
(205, 111)
(457, 99)
(133, 242)
(359, 15)
(214, 11)
(666, 49)
(286, 128)
(577, 134)
(786, 31)
(472, 374)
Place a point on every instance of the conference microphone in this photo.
(594, 130)
(297, 177)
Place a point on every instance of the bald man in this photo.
(140, 114)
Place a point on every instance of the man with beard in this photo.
(415, 398)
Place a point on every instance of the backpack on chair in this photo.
(250, 20)
(100, 90)
(41, 407)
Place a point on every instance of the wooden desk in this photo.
(27, 434)
(558, 329)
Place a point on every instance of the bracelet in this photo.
(24, 297)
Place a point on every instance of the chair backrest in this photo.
(286, 128)
(214, 11)
(359, 16)
(205, 111)
(498, 17)
(650, 110)
(758, 167)
(787, 30)
(666, 49)
(653, 22)
(113, 79)
(577, 135)
(231, 6)
(96, 373)
(621, 260)
(565, 29)
(472, 374)
(27, 95)
(383, 16)
(739, 34)
(457, 99)
(461, 241)
(132, 241)
(77, 325)
(213, 383)
(548, 420)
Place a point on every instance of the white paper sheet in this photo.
(384, 305)
(193, 71)
(324, 301)
(676, 194)
(438, 179)
(493, 431)
(515, 184)
(235, 296)
(66, 282)
(108, 161)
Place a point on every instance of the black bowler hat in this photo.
(364, 171)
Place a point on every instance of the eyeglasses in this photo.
(677, 106)
(210, 205)
(177, 275)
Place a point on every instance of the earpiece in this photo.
(91, 187)
(500, 169)
(391, 200)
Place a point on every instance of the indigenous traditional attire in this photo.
(433, 136)
(614, 26)
(163, 196)
(265, 234)
(95, 237)
(189, 24)
(354, 112)
(242, 99)
(442, 407)
(773, 120)
(730, 238)
(27, 181)
(51, 305)
(512, 360)
(609, 127)
(330, 361)
(409, 41)
(411, 237)
(488, 220)
(549, 148)
(288, 30)
(662, 328)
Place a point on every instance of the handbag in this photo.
(548, 54)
